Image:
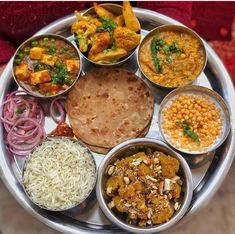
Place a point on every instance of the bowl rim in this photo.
(157, 228)
(28, 158)
(119, 63)
(174, 28)
(200, 90)
(50, 35)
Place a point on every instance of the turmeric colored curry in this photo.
(172, 58)
(145, 188)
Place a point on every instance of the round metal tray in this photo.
(208, 170)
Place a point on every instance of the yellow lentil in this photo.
(183, 68)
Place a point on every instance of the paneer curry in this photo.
(48, 65)
(104, 37)
(145, 188)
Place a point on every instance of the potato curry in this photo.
(48, 65)
(105, 37)
(145, 188)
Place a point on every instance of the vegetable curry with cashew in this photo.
(145, 188)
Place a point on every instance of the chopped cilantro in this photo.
(172, 48)
(19, 111)
(59, 73)
(107, 25)
(114, 46)
(187, 131)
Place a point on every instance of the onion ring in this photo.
(23, 120)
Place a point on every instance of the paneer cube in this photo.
(36, 53)
(49, 88)
(39, 77)
(72, 65)
(22, 72)
(49, 59)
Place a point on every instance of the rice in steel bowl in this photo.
(59, 174)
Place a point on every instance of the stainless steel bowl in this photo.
(116, 10)
(76, 208)
(126, 149)
(26, 87)
(199, 90)
(177, 28)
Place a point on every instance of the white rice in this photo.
(59, 174)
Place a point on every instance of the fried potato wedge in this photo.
(100, 42)
(102, 12)
(109, 56)
(119, 20)
(126, 39)
(130, 19)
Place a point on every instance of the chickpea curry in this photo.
(47, 65)
(172, 58)
(105, 37)
(192, 122)
(145, 189)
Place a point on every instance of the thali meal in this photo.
(46, 64)
(108, 106)
(104, 37)
(59, 174)
(192, 122)
(144, 188)
(171, 57)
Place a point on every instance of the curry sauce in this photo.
(172, 58)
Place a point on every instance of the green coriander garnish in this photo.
(19, 111)
(107, 25)
(172, 48)
(187, 131)
(59, 73)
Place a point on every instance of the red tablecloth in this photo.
(212, 20)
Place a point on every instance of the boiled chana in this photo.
(192, 122)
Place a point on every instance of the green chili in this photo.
(156, 45)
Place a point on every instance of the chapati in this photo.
(108, 106)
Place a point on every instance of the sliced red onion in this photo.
(23, 119)
(60, 108)
(22, 142)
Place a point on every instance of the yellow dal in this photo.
(185, 67)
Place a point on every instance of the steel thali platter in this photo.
(208, 171)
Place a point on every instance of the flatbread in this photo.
(108, 106)
(102, 150)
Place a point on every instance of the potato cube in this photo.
(36, 53)
(39, 77)
(22, 72)
(49, 59)
(72, 65)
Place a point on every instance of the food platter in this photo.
(208, 170)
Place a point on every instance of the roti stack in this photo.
(109, 106)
